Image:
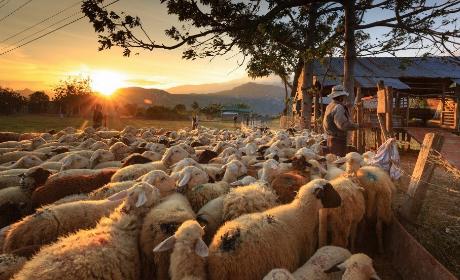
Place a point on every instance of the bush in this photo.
(163, 113)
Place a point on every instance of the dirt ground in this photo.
(438, 225)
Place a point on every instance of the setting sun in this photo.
(106, 82)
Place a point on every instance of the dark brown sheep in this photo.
(58, 188)
(9, 136)
(205, 156)
(135, 159)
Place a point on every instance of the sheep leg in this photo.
(379, 232)
(322, 228)
(353, 230)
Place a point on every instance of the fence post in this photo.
(421, 176)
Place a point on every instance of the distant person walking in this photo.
(235, 120)
(98, 116)
(337, 122)
(194, 122)
(247, 120)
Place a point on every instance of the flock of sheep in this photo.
(187, 204)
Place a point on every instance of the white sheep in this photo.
(48, 223)
(108, 249)
(161, 180)
(190, 177)
(74, 161)
(358, 266)
(323, 259)
(249, 246)
(100, 156)
(132, 172)
(234, 170)
(10, 264)
(187, 258)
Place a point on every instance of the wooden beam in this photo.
(421, 177)
(389, 112)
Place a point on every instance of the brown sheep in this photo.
(58, 188)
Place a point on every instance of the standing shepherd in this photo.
(337, 122)
(194, 122)
(98, 116)
(235, 120)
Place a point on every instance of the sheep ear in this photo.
(201, 249)
(184, 179)
(236, 183)
(118, 196)
(374, 276)
(340, 160)
(335, 268)
(141, 199)
(167, 244)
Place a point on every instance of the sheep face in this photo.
(358, 266)
(141, 197)
(322, 191)
(353, 161)
(33, 178)
(174, 155)
(100, 156)
(189, 231)
(74, 161)
(160, 180)
(191, 176)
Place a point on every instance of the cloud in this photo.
(142, 82)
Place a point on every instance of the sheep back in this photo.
(247, 199)
(287, 185)
(379, 190)
(199, 195)
(14, 204)
(58, 188)
(110, 189)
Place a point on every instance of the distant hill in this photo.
(263, 99)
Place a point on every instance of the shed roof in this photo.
(369, 70)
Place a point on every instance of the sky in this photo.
(74, 50)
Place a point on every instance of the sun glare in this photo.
(106, 82)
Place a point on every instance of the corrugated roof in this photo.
(371, 69)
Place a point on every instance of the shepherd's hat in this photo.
(337, 91)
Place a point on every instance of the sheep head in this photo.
(174, 155)
(33, 178)
(191, 176)
(358, 266)
(191, 232)
(321, 190)
(160, 180)
(99, 156)
(139, 198)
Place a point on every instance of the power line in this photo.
(52, 31)
(40, 22)
(6, 3)
(17, 9)
(43, 29)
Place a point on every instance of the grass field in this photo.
(43, 123)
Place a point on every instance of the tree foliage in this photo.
(10, 101)
(73, 95)
(38, 102)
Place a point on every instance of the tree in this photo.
(38, 102)
(73, 94)
(10, 101)
(212, 110)
(180, 108)
(195, 106)
(131, 109)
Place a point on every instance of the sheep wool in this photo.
(9, 265)
(249, 246)
(57, 188)
(110, 189)
(47, 224)
(343, 221)
(160, 223)
(110, 250)
(187, 258)
(202, 194)
(247, 199)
